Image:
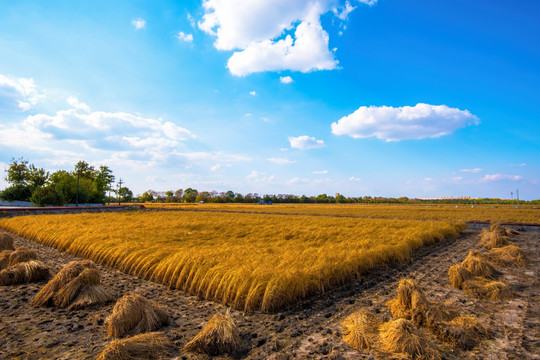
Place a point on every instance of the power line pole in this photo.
(517, 197)
(119, 188)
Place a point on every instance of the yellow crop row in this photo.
(249, 261)
(503, 213)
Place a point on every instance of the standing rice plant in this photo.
(135, 314)
(250, 261)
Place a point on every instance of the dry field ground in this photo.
(308, 328)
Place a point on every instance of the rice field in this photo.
(503, 213)
(248, 261)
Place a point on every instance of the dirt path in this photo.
(311, 330)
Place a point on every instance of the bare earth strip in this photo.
(311, 330)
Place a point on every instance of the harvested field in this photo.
(311, 329)
(248, 261)
(497, 213)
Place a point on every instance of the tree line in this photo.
(85, 184)
(191, 195)
(88, 184)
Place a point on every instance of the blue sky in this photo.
(417, 98)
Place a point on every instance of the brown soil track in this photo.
(311, 330)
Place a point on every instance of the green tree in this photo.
(18, 172)
(190, 195)
(146, 197)
(104, 178)
(47, 196)
(37, 177)
(85, 170)
(125, 194)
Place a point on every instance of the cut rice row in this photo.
(416, 323)
(77, 285)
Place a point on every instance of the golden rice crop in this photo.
(249, 261)
(488, 213)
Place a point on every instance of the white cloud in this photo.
(191, 20)
(256, 29)
(215, 167)
(402, 123)
(259, 177)
(344, 13)
(474, 171)
(252, 93)
(281, 161)
(17, 94)
(498, 177)
(356, 179)
(297, 180)
(320, 172)
(308, 52)
(139, 23)
(306, 142)
(184, 37)
(286, 79)
(74, 102)
(248, 114)
(73, 124)
(72, 134)
(368, 2)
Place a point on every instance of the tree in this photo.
(18, 172)
(16, 192)
(37, 177)
(85, 170)
(178, 195)
(229, 196)
(190, 195)
(47, 196)
(170, 196)
(146, 197)
(125, 194)
(104, 178)
(18, 175)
